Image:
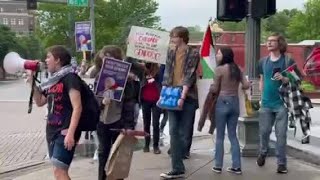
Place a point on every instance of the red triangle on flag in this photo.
(207, 43)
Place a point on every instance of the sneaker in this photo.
(156, 151)
(161, 134)
(282, 169)
(161, 143)
(47, 157)
(172, 175)
(146, 149)
(187, 156)
(95, 156)
(305, 140)
(234, 170)
(217, 170)
(261, 160)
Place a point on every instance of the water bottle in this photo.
(179, 93)
(163, 91)
(168, 102)
(161, 102)
(175, 92)
(168, 92)
(175, 102)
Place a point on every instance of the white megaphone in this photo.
(13, 63)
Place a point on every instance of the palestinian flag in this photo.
(208, 64)
(291, 74)
(208, 55)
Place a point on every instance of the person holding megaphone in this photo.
(62, 94)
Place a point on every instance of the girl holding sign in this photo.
(111, 113)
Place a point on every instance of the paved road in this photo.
(16, 90)
(22, 136)
(147, 166)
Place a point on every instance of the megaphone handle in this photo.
(32, 91)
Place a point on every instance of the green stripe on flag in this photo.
(207, 72)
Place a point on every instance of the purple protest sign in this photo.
(113, 78)
(83, 36)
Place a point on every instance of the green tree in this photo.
(194, 29)
(8, 43)
(305, 24)
(278, 23)
(113, 20)
(55, 23)
(195, 33)
(233, 26)
(30, 47)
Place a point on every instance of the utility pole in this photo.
(252, 44)
(248, 129)
(93, 34)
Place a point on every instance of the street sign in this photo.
(82, 3)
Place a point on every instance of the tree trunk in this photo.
(2, 73)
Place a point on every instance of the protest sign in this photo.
(113, 78)
(83, 36)
(148, 44)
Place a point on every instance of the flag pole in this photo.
(289, 67)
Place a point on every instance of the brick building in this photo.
(15, 15)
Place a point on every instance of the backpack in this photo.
(131, 90)
(90, 114)
(312, 67)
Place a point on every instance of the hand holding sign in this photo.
(148, 44)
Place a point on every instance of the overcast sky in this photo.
(197, 12)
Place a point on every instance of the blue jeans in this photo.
(279, 118)
(180, 125)
(227, 114)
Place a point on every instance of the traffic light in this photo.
(271, 7)
(231, 10)
(31, 4)
(263, 8)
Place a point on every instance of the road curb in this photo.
(305, 152)
(18, 167)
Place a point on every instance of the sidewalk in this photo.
(147, 166)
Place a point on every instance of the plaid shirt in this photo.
(189, 70)
(298, 105)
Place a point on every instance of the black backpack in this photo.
(90, 109)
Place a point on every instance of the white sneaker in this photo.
(95, 156)
(47, 157)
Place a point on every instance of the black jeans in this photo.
(180, 128)
(106, 139)
(164, 119)
(147, 109)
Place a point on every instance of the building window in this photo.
(20, 21)
(13, 21)
(5, 21)
(1, 9)
(19, 10)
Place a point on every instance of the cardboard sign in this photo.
(119, 162)
(113, 78)
(83, 36)
(148, 44)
